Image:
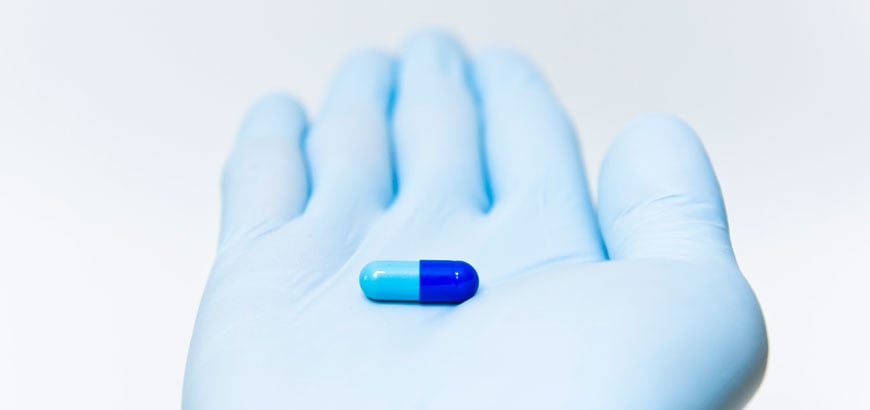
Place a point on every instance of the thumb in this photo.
(658, 195)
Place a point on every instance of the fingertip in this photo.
(658, 130)
(438, 40)
(656, 152)
(364, 68)
(658, 193)
(433, 51)
(500, 67)
(275, 115)
(660, 152)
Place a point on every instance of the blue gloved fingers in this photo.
(532, 152)
(658, 195)
(437, 137)
(348, 147)
(265, 179)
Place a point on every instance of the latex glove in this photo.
(438, 157)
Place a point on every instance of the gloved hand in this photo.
(636, 304)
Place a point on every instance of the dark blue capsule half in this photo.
(426, 281)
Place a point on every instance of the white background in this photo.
(115, 119)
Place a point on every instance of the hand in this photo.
(638, 304)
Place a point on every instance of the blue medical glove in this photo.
(637, 303)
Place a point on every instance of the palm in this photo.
(666, 322)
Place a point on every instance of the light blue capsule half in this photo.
(391, 280)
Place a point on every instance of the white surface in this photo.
(115, 119)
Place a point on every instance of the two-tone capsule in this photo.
(425, 281)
